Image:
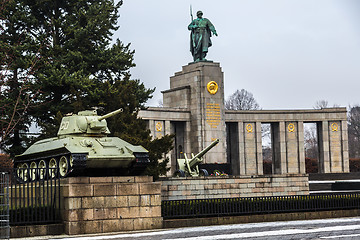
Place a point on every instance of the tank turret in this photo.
(81, 144)
(85, 122)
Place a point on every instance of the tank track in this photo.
(75, 165)
(140, 164)
(79, 161)
(78, 165)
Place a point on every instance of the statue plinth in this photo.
(199, 88)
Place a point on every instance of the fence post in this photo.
(4, 206)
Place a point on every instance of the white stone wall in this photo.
(228, 187)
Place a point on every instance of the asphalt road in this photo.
(339, 228)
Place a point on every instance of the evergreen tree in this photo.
(19, 59)
(81, 69)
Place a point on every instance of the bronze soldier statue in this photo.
(200, 41)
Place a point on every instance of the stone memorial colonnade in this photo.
(194, 110)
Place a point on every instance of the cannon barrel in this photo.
(110, 114)
(197, 157)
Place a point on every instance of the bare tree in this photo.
(241, 100)
(310, 141)
(320, 104)
(354, 131)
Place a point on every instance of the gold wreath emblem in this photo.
(158, 126)
(291, 127)
(212, 87)
(334, 127)
(249, 128)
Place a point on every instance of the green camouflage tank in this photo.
(81, 145)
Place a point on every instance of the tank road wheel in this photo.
(179, 173)
(64, 166)
(71, 161)
(42, 169)
(53, 167)
(33, 171)
(203, 173)
(19, 172)
(24, 172)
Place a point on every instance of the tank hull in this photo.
(76, 154)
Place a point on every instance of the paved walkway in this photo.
(339, 228)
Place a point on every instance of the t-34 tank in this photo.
(81, 145)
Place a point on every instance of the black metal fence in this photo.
(4, 206)
(172, 209)
(34, 196)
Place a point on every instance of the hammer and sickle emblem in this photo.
(249, 128)
(291, 127)
(158, 126)
(334, 127)
(212, 87)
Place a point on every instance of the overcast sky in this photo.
(288, 53)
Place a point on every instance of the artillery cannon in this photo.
(81, 145)
(190, 167)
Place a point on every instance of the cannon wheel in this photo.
(203, 173)
(179, 173)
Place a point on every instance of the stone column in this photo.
(292, 147)
(152, 127)
(242, 164)
(252, 163)
(345, 146)
(302, 167)
(335, 146)
(283, 161)
(167, 131)
(279, 148)
(259, 153)
(324, 156)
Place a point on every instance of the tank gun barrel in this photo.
(110, 114)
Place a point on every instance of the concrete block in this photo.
(73, 228)
(78, 215)
(72, 203)
(148, 223)
(172, 187)
(100, 179)
(104, 213)
(80, 190)
(143, 179)
(127, 189)
(112, 201)
(93, 202)
(128, 212)
(112, 225)
(124, 179)
(134, 201)
(75, 180)
(144, 200)
(104, 190)
(150, 188)
(155, 200)
(92, 226)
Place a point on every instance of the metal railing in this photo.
(4, 206)
(172, 209)
(34, 196)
